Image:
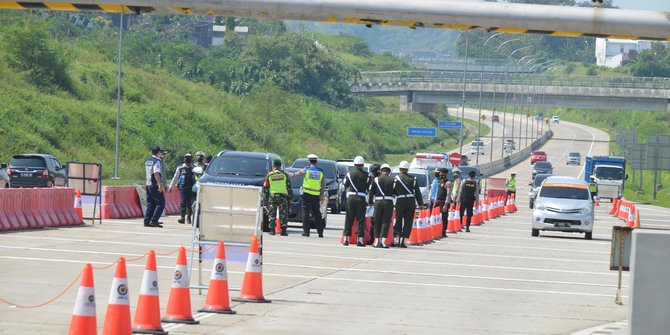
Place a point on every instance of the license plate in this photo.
(561, 224)
(26, 175)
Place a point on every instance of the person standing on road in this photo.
(279, 194)
(154, 188)
(467, 197)
(185, 179)
(593, 188)
(510, 185)
(453, 187)
(199, 162)
(381, 195)
(313, 190)
(433, 188)
(357, 185)
(408, 195)
(441, 199)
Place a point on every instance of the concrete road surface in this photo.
(495, 280)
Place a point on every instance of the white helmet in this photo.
(312, 156)
(385, 166)
(404, 165)
(455, 170)
(359, 160)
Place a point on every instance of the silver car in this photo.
(535, 186)
(563, 204)
(573, 158)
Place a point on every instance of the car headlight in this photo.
(539, 206)
(586, 210)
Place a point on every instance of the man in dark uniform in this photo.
(185, 179)
(154, 188)
(467, 196)
(441, 199)
(408, 195)
(278, 192)
(381, 195)
(357, 185)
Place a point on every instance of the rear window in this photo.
(542, 165)
(539, 153)
(36, 162)
(573, 154)
(538, 180)
(236, 166)
(564, 191)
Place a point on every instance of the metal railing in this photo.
(545, 79)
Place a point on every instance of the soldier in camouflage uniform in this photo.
(279, 194)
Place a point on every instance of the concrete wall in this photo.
(650, 281)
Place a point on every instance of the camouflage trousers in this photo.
(278, 201)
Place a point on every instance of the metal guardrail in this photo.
(386, 77)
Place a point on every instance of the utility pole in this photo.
(118, 103)
(465, 73)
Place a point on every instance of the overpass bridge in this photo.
(446, 87)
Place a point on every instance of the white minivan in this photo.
(477, 147)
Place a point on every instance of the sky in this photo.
(656, 5)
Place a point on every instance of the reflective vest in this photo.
(593, 187)
(511, 184)
(455, 186)
(277, 180)
(149, 167)
(311, 184)
(186, 177)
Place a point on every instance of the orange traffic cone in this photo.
(117, 318)
(218, 300)
(451, 225)
(596, 201)
(179, 302)
(485, 210)
(514, 203)
(615, 203)
(421, 224)
(617, 208)
(508, 201)
(83, 318)
(278, 223)
(437, 222)
(413, 235)
(491, 205)
(77, 206)
(637, 219)
(252, 286)
(148, 312)
(477, 214)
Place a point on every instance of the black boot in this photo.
(402, 243)
(183, 213)
(272, 231)
(346, 240)
(360, 242)
(189, 214)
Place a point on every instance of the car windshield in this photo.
(573, 154)
(543, 165)
(564, 192)
(329, 169)
(420, 178)
(539, 153)
(35, 162)
(609, 173)
(239, 166)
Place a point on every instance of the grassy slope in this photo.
(185, 117)
(645, 123)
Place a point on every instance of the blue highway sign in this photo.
(449, 125)
(425, 132)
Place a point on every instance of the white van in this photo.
(477, 147)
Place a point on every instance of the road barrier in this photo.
(120, 202)
(626, 211)
(33, 208)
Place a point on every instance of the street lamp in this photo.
(481, 90)
(516, 68)
(465, 73)
(495, 82)
(534, 133)
(118, 103)
(505, 98)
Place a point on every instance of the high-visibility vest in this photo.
(455, 186)
(593, 187)
(311, 184)
(511, 184)
(277, 182)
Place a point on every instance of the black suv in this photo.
(35, 170)
(332, 180)
(240, 168)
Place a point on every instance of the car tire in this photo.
(588, 235)
(535, 232)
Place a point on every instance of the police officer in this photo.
(279, 193)
(185, 179)
(375, 171)
(510, 184)
(199, 162)
(433, 188)
(381, 195)
(408, 195)
(453, 187)
(154, 188)
(313, 190)
(466, 197)
(441, 199)
(357, 185)
(593, 187)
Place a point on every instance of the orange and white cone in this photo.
(179, 302)
(615, 206)
(636, 224)
(514, 203)
(252, 286)
(278, 229)
(148, 312)
(218, 299)
(83, 318)
(117, 318)
(451, 224)
(77, 206)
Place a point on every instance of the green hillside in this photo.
(66, 105)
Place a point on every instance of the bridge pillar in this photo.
(406, 103)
